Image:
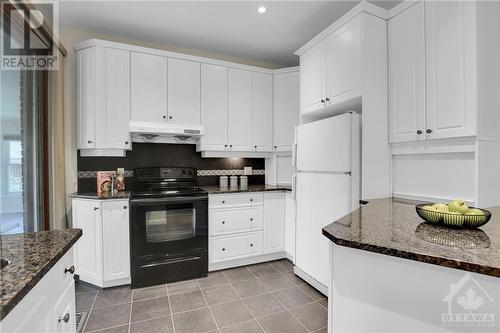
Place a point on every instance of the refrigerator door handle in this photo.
(294, 149)
(294, 186)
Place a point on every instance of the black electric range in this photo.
(168, 226)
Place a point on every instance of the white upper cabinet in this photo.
(450, 58)
(407, 75)
(214, 107)
(103, 101)
(286, 109)
(262, 115)
(343, 63)
(183, 91)
(117, 98)
(313, 78)
(239, 120)
(148, 87)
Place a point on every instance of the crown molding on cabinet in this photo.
(401, 7)
(362, 7)
(140, 49)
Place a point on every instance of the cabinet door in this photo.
(116, 244)
(148, 82)
(239, 123)
(274, 222)
(85, 98)
(262, 115)
(65, 306)
(407, 75)
(117, 87)
(183, 91)
(214, 107)
(88, 251)
(286, 109)
(313, 78)
(450, 59)
(343, 62)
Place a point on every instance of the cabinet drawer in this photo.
(62, 279)
(235, 247)
(64, 314)
(226, 221)
(226, 200)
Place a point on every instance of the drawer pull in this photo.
(251, 219)
(223, 222)
(223, 201)
(223, 249)
(70, 270)
(96, 208)
(65, 318)
(251, 199)
(251, 245)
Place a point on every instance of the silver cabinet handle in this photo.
(223, 222)
(96, 208)
(125, 207)
(65, 318)
(89, 141)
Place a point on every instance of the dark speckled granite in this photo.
(31, 256)
(250, 188)
(392, 227)
(102, 196)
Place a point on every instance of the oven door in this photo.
(168, 226)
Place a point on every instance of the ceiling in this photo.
(231, 28)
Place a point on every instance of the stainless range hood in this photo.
(142, 131)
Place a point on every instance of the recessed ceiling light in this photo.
(262, 9)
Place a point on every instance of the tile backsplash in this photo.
(168, 155)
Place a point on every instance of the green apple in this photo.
(431, 214)
(458, 206)
(455, 219)
(441, 207)
(475, 211)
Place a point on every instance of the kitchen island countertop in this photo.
(391, 227)
(31, 256)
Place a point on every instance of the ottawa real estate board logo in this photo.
(469, 305)
(28, 32)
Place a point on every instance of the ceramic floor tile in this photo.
(157, 325)
(112, 296)
(187, 301)
(249, 288)
(84, 301)
(284, 266)
(312, 316)
(119, 329)
(275, 282)
(212, 280)
(247, 327)
(82, 287)
(231, 313)
(182, 287)
(109, 316)
(263, 305)
(324, 303)
(292, 297)
(263, 269)
(150, 308)
(311, 292)
(220, 294)
(238, 274)
(149, 292)
(196, 321)
(280, 323)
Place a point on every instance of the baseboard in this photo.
(246, 261)
(312, 281)
(116, 283)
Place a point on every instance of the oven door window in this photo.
(171, 223)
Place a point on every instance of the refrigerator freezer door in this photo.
(325, 145)
(321, 199)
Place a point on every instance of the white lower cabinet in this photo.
(290, 226)
(246, 228)
(48, 307)
(102, 255)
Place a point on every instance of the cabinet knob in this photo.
(225, 145)
(223, 249)
(64, 318)
(327, 99)
(125, 207)
(251, 219)
(126, 142)
(164, 117)
(223, 222)
(70, 270)
(419, 132)
(230, 146)
(170, 117)
(89, 141)
(96, 208)
(251, 199)
(428, 131)
(255, 147)
(251, 245)
(275, 147)
(322, 101)
(223, 201)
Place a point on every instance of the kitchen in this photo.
(192, 183)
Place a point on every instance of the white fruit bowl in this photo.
(453, 220)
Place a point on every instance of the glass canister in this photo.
(223, 181)
(243, 182)
(233, 181)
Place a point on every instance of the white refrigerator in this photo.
(327, 187)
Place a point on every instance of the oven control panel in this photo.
(164, 173)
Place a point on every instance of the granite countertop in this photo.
(391, 226)
(250, 188)
(31, 256)
(102, 196)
